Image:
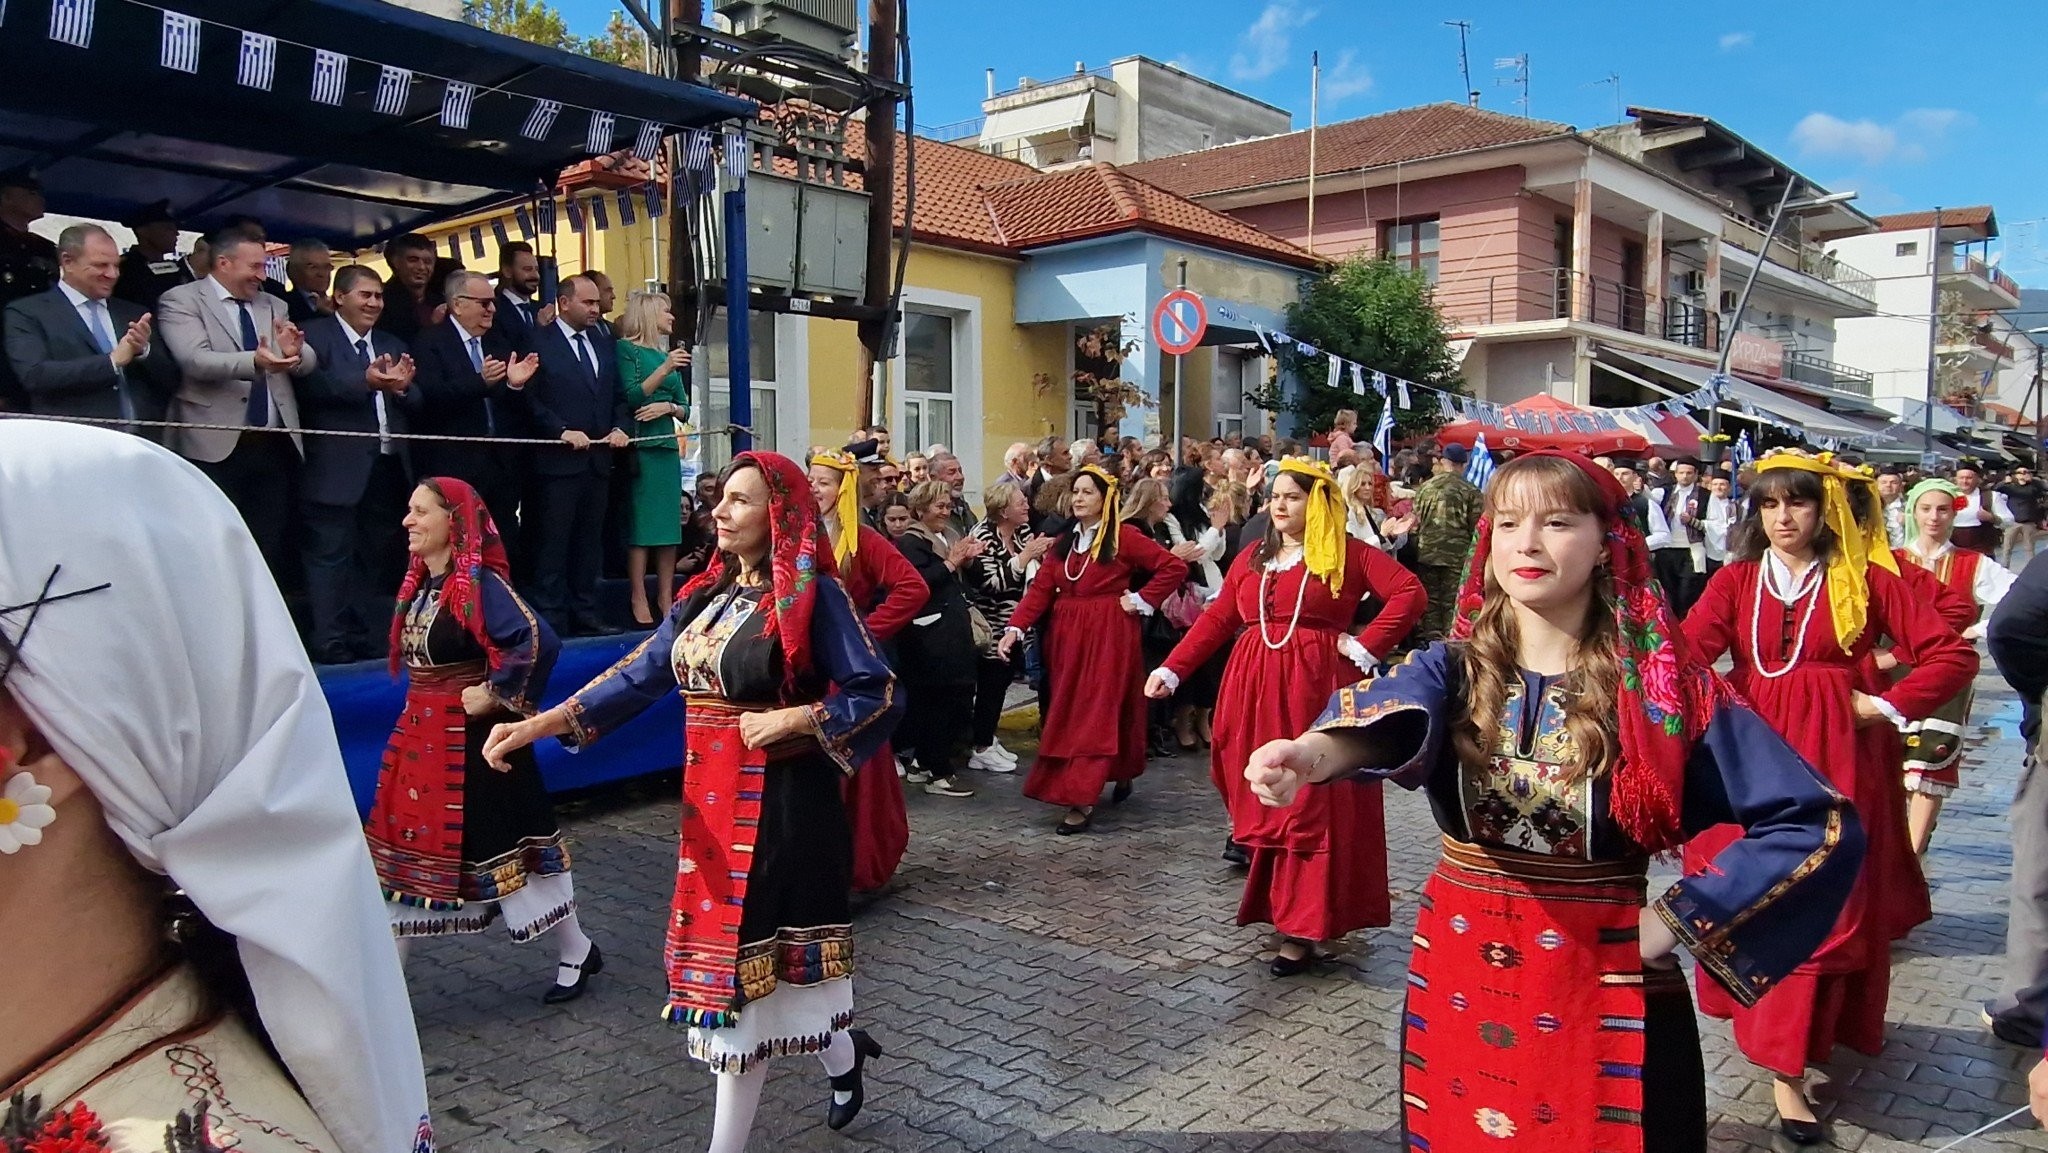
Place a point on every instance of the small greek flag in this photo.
(181, 42)
(1383, 432)
(654, 204)
(648, 144)
(598, 215)
(575, 214)
(738, 157)
(455, 104)
(541, 120)
(1479, 469)
(598, 140)
(330, 76)
(1744, 453)
(626, 217)
(1401, 391)
(455, 247)
(697, 150)
(524, 219)
(273, 267)
(71, 22)
(258, 66)
(546, 215)
(394, 89)
(476, 241)
(498, 231)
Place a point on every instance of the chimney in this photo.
(1080, 66)
(991, 84)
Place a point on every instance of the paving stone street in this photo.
(1092, 993)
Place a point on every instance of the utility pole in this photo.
(1464, 28)
(1933, 341)
(685, 61)
(878, 333)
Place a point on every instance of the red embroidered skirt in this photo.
(1531, 1022)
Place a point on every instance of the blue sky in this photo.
(1910, 104)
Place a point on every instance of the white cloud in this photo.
(1264, 45)
(1346, 78)
(1909, 139)
(1732, 40)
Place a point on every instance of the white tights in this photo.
(739, 1095)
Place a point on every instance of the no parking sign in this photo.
(1179, 322)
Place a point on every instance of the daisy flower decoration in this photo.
(24, 812)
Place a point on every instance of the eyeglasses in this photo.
(483, 301)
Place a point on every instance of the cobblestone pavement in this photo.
(1093, 993)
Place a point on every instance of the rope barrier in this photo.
(1979, 1132)
(117, 422)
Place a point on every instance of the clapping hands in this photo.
(389, 374)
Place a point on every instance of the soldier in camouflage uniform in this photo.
(1446, 519)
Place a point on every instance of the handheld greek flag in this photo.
(330, 76)
(181, 42)
(648, 144)
(541, 120)
(598, 140)
(1383, 433)
(455, 104)
(394, 89)
(1744, 453)
(1479, 469)
(258, 65)
(71, 22)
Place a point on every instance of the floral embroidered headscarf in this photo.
(797, 557)
(474, 538)
(1666, 697)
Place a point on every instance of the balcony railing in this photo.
(1971, 266)
(1559, 294)
(968, 129)
(1810, 259)
(1807, 368)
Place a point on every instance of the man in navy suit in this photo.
(78, 351)
(353, 489)
(575, 398)
(473, 381)
(519, 308)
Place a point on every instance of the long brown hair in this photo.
(1749, 541)
(1491, 653)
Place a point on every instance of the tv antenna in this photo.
(1464, 28)
(1613, 78)
(1520, 78)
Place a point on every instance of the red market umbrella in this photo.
(1547, 423)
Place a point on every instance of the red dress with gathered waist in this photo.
(887, 591)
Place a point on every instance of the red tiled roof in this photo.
(1100, 199)
(1977, 216)
(1400, 136)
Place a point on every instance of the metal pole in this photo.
(739, 344)
(1315, 88)
(877, 334)
(685, 62)
(1711, 450)
(1933, 341)
(1179, 363)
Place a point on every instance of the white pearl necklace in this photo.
(1294, 622)
(1087, 557)
(1807, 589)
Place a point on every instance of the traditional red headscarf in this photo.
(474, 538)
(1666, 696)
(795, 557)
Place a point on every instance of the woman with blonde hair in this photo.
(1365, 505)
(651, 375)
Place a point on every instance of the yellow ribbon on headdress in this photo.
(1323, 537)
(1873, 525)
(1112, 518)
(1848, 587)
(847, 510)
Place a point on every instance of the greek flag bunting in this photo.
(455, 102)
(598, 140)
(330, 76)
(598, 214)
(654, 204)
(697, 150)
(181, 42)
(737, 158)
(476, 241)
(546, 218)
(648, 144)
(394, 89)
(1744, 454)
(498, 231)
(524, 219)
(258, 64)
(71, 22)
(575, 215)
(1479, 469)
(1401, 391)
(541, 120)
(455, 247)
(626, 216)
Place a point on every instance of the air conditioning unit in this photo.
(1729, 300)
(1693, 282)
(829, 26)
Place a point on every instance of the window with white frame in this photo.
(714, 411)
(929, 354)
(1226, 391)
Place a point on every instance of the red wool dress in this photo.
(886, 590)
(1934, 755)
(1093, 716)
(1839, 995)
(1319, 866)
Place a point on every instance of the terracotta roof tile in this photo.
(1403, 135)
(1977, 216)
(1099, 199)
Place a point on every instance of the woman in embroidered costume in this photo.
(165, 749)
(1809, 588)
(1093, 713)
(474, 655)
(1934, 754)
(785, 692)
(1564, 734)
(887, 591)
(1319, 868)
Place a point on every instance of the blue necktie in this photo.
(476, 361)
(258, 412)
(583, 354)
(103, 337)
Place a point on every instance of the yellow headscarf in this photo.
(1112, 514)
(1323, 537)
(847, 511)
(1848, 586)
(1873, 525)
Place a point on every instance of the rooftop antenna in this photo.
(1613, 78)
(1520, 64)
(1464, 28)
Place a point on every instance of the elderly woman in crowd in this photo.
(938, 649)
(996, 580)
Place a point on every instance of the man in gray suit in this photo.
(77, 351)
(237, 352)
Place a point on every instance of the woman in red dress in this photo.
(1319, 868)
(1094, 709)
(1800, 604)
(887, 592)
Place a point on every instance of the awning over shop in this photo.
(109, 129)
(1816, 421)
(1541, 415)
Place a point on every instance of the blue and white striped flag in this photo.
(258, 66)
(1744, 453)
(71, 22)
(626, 214)
(330, 76)
(455, 104)
(654, 201)
(738, 157)
(598, 140)
(544, 214)
(1479, 469)
(1383, 433)
(541, 120)
(697, 150)
(181, 42)
(648, 144)
(394, 90)
(598, 216)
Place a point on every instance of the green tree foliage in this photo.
(537, 22)
(1380, 315)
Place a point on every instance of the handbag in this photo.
(1183, 607)
(984, 636)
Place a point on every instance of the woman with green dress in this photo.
(651, 374)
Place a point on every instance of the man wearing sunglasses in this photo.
(472, 380)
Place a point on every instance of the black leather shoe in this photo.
(1067, 828)
(1236, 855)
(591, 967)
(1286, 966)
(839, 1116)
(1800, 1133)
(1121, 793)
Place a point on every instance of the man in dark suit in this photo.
(575, 398)
(311, 269)
(519, 308)
(607, 299)
(77, 351)
(412, 301)
(472, 382)
(353, 490)
(153, 267)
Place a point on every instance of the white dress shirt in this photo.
(98, 318)
(1968, 515)
(367, 349)
(231, 312)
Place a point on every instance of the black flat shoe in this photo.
(591, 967)
(1236, 855)
(839, 1116)
(1121, 793)
(1286, 966)
(1067, 828)
(1800, 1134)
